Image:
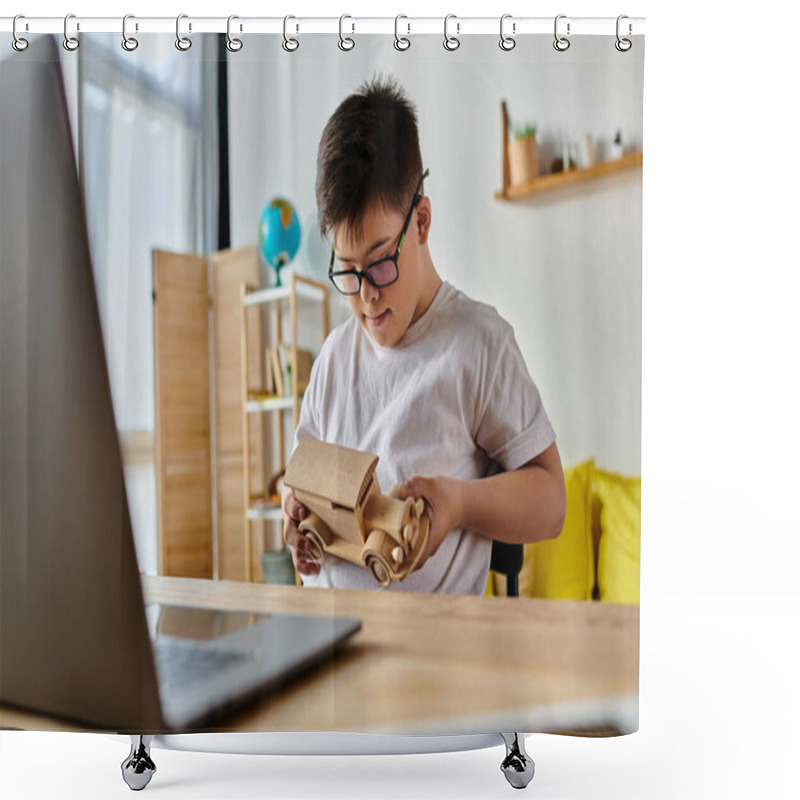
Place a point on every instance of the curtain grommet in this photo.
(71, 43)
(561, 43)
(451, 43)
(623, 44)
(233, 44)
(507, 42)
(289, 43)
(401, 43)
(183, 43)
(129, 43)
(346, 43)
(19, 44)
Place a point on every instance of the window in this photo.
(147, 133)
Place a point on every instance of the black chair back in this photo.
(507, 560)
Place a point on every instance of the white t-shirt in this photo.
(453, 398)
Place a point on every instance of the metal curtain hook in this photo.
(19, 44)
(128, 42)
(70, 42)
(451, 42)
(233, 44)
(289, 43)
(345, 42)
(623, 45)
(507, 42)
(561, 43)
(182, 42)
(400, 42)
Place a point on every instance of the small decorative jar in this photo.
(523, 158)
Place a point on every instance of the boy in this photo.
(426, 378)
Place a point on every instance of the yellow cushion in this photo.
(563, 568)
(620, 536)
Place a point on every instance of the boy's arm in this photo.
(523, 505)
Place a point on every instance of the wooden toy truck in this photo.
(350, 517)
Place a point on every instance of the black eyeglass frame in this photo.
(365, 273)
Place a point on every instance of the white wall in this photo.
(564, 269)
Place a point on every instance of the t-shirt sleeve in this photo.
(513, 426)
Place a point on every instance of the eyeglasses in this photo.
(380, 273)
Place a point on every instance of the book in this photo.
(305, 360)
(269, 381)
(277, 371)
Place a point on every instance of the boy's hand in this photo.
(294, 513)
(443, 506)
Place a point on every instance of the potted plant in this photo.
(617, 149)
(523, 155)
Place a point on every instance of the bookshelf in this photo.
(266, 400)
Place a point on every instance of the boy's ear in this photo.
(423, 219)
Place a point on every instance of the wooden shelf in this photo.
(305, 288)
(546, 183)
(254, 406)
(264, 510)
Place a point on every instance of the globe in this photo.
(278, 234)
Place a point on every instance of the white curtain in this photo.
(142, 140)
(147, 141)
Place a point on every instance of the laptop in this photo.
(76, 640)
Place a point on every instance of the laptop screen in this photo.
(74, 636)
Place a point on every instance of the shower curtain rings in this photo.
(400, 42)
(561, 43)
(507, 42)
(70, 42)
(289, 43)
(451, 42)
(182, 42)
(19, 44)
(345, 42)
(623, 45)
(128, 42)
(233, 44)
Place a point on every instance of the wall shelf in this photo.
(555, 180)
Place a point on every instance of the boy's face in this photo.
(385, 313)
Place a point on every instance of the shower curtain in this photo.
(534, 151)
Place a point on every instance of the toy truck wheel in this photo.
(317, 535)
(379, 569)
(316, 549)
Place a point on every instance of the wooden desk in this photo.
(437, 664)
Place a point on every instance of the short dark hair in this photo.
(368, 155)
